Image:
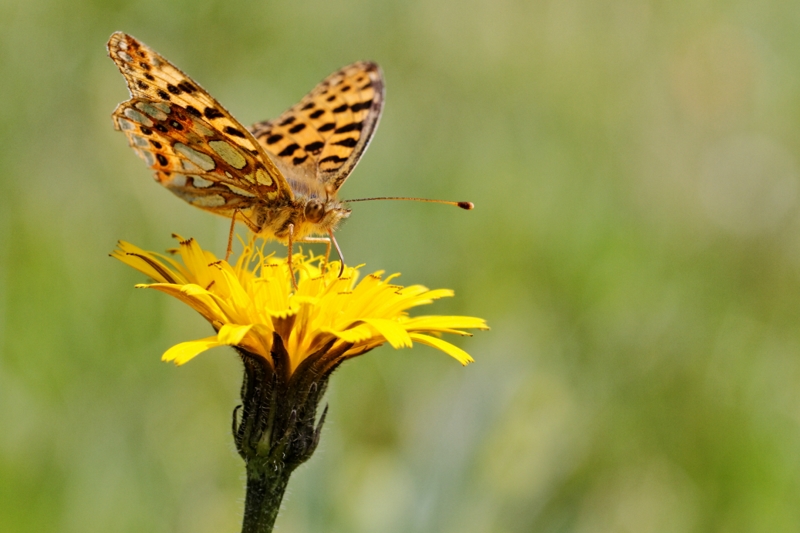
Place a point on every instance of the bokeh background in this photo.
(635, 248)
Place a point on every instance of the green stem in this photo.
(265, 490)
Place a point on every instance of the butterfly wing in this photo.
(194, 145)
(193, 159)
(318, 142)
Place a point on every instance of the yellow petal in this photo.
(232, 334)
(453, 351)
(355, 335)
(197, 261)
(186, 351)
(202, 302)
(443, 323)
(230, 287)
(145, 263)
(391, 331)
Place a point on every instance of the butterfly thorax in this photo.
(307, 216)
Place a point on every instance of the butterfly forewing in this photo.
(191, 158)
(321, 139)
(187, 137)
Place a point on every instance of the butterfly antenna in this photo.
(462, 205)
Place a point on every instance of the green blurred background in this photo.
(635, 248)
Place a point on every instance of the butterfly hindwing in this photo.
(321, 139)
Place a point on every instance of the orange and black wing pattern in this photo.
(195, 147)
(319, 141)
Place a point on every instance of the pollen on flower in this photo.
(252, 301)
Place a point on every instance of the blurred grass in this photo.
(635, 249)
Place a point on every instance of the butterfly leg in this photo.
(328, 241)
(320, 240)
(338, 251)
(289, 257)
(230, 235)
(249, 223)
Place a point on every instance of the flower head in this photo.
(253, 301)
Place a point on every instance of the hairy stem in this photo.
(275, 429)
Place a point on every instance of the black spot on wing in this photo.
(174, 90)
(297, 128)
(327, 127)
(333, 159)
(289, 150)
(316, 114)
(162, 160)
(163, 95)
(299, 160)
(361, 105)
(272, 139)
(193, 111)
(314, 147)
(341, 109)
(349, 142)
(353, 126)
(233, 131)
(187, 87)
(211, 112)
(287, 121)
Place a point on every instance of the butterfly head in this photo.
(314, 211)
(320, 217)
(310, 216)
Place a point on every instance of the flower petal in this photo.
(443, 323)
(186, 351)
(453, 351)
(391, 331)
(146, 263)
(197, 261)
(355, 335)
(232, 334)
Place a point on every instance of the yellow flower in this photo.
(253, 301)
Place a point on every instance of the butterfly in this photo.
(280, 176)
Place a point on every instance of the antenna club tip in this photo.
(466, 205)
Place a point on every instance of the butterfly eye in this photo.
(314, 211)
